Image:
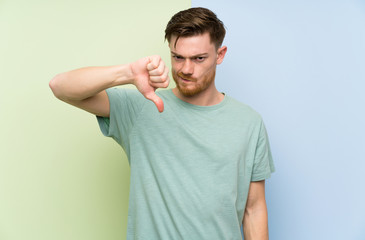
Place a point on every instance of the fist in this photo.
(150, 73)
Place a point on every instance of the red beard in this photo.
(194, 86)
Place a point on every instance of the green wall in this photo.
(59, 177)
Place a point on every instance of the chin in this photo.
(189, 92)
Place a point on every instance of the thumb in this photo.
(156, 100)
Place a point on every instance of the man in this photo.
(199, 163)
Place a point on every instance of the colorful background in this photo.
(60, 179)
(301, 64)
(298, 63)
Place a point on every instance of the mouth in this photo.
(186, 80)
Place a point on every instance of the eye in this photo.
(200, 59)
(177, 58)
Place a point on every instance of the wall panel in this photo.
(301, 65)
(59, 177)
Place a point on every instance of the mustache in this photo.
(185, 77)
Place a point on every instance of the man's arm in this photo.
(85, 87)
(255, 223)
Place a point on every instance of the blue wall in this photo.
(301, 64)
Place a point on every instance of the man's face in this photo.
(194, 60)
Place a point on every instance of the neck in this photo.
(208, 97)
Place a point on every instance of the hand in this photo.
(150, 73)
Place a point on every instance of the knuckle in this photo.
(161, 67)
(157, 58)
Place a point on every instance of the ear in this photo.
(221, 53)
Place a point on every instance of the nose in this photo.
(188, 67)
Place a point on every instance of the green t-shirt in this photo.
(191, 166)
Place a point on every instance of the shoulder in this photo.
(242, 110)
(165, 93)
(122, 93)
(122, 97)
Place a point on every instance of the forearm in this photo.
(255, 223)
(86, 82)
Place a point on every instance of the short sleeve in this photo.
(263, 164)
(125, 106)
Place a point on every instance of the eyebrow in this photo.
(195, 56)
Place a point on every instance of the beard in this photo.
(195, 86)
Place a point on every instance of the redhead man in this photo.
(198, 158)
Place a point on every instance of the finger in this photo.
(156, 100)
(154, 62)
(160, 85)
(161, 78)
(159, 70)
(158, 79)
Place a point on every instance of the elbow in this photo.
(257, 208)
(63, 89)
(59, 87)
(54, 85)
(248, 211)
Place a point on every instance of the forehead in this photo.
(192, 46)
